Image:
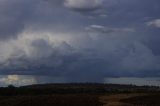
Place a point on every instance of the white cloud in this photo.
(155, 23)
(104, 29)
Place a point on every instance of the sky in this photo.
(80, 40)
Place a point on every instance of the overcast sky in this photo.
(80, 40)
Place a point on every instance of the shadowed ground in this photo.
(51, 100)
(80, 95)
(152, 99)
(116, 99)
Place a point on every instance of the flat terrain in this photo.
(117, 99)
(51, 100)
(80, 95)
(82, 100)
(152, 99)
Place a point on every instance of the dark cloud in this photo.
(83, 5)
(17, 15)
(111, 38)
(12, 16)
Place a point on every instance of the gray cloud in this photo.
(83, 5)
(12, 20)
(45, 38)
(18, 15)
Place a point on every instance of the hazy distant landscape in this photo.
(23, 80)
(80, 94)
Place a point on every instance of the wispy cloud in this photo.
(154, 23)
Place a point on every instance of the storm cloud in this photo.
(80, 40)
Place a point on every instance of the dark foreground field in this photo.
(80, 95)
(51, 100)
(144, 100)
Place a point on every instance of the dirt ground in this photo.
(115, 100)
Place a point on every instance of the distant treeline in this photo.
(49, 89)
